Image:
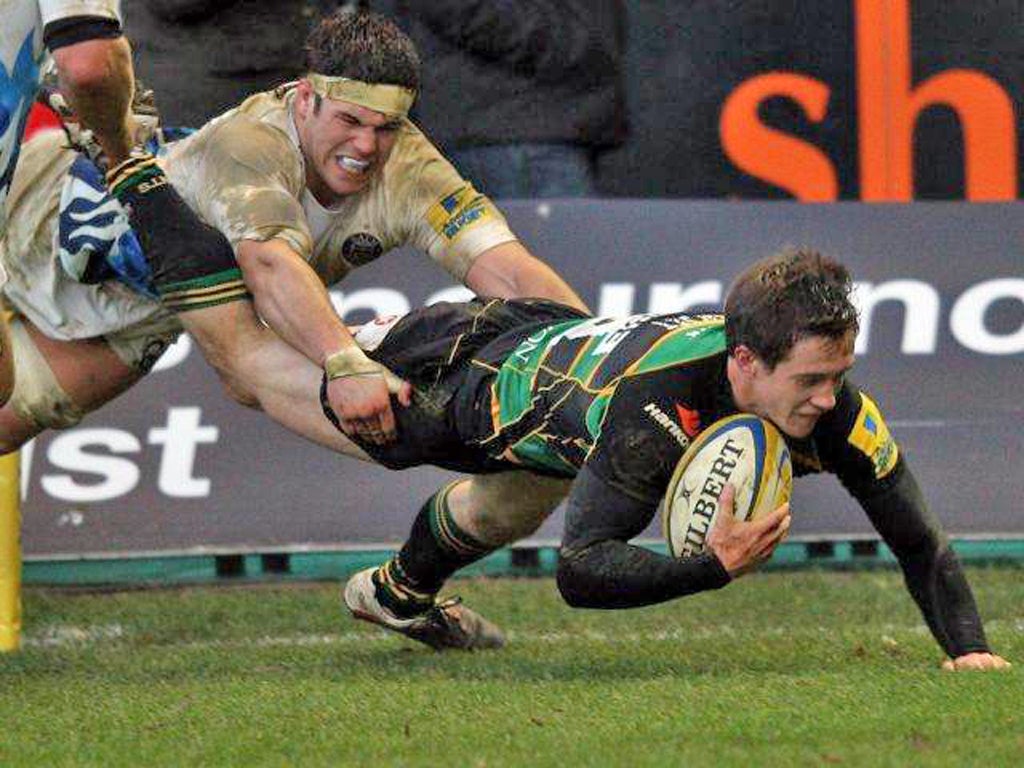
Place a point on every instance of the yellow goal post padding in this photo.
(10, 553)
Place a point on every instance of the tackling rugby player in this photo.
(298, 186)
(307, 182)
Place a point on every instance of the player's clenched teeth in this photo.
(352, 165)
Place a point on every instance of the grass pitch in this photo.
(808, 668)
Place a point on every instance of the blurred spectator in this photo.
(202, 57)
(520, 94)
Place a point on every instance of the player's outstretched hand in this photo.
(363, 404)
(742, 546)
(982, 661)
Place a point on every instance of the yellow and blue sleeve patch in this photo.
(870, 436)
(454, 213)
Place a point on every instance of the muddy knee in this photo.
(506, 507)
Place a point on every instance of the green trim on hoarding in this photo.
(541, 561)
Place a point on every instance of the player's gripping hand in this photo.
(742, 546)
(973, 661)
(356, 396)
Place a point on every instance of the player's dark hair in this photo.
(787, 297)
(363, 46)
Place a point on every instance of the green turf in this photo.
(809, 668)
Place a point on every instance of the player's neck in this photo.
(321, 192)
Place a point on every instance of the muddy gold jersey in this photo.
(39, 288)
(244, 173)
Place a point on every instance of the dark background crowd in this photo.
(536, 98)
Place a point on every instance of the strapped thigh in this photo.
(38, 397)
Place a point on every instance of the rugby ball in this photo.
(744, 450)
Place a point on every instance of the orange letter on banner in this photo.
(888, 109)
(773, 156)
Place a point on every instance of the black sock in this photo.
(193, 265)
(436, 548)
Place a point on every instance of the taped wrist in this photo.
(350, 361)
(193, 264)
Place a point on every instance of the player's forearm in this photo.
(542, 282)
(509, 271)
(291, 299)
(940, 588)
(615, 574)
(97, 79)
(932, 572)
(285, 385)
(598, 568)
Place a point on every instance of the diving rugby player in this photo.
(539, 387)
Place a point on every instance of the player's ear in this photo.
(746, 359)
(304, 99)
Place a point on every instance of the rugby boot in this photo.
(447, 624)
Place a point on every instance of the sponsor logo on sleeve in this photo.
(361, 248)
(870, 436)
(455, 213)
(666, 422)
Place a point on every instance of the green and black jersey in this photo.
(535, 385)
